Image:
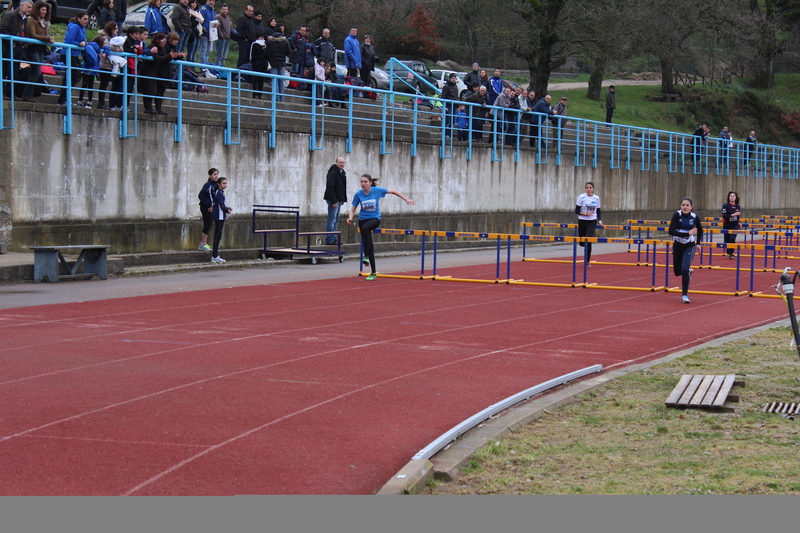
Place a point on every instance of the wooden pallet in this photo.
(704, 392)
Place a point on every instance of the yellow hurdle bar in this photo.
(573, 239)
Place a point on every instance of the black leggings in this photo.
(682, 256)
(88, 84)
(366, 227)
(206, 220)
(730, 238)
(218, 225)
(586, 229)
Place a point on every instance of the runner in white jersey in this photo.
(588, 210)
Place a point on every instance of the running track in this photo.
(326, 386)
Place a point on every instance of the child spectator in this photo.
(118, 63)
(462, 123)
(221, 212)
(93, 52)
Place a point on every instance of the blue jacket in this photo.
(208, 14)
(220, 209)
(352, 52)
(303, 51)
(153, 21)
(91, 58)
(76, 34)
(207, 193)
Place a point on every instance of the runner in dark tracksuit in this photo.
(206, 197)
(686, 232)
(731, 212)
(220, 213)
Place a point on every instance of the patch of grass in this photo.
(621, 439)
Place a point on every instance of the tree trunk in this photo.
(667, 68)
(596, 78)
(765, 75)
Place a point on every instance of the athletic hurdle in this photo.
(505, 240)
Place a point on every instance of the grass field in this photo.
(622, 439)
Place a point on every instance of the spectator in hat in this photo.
(473, 78)
(368, 60)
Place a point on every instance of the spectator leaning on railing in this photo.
(13, 23)
(76, 35)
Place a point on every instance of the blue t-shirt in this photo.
(370, 203)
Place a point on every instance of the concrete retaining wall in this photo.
(140, 194)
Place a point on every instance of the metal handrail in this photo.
(591, 141)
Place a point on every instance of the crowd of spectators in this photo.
(265, 47)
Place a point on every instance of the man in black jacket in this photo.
(13, 23)
(247, 34)
(473, 79)
(478, 111)
(325, 47)
(449, 96)
(335, 196)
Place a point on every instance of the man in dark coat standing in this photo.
(335, 196)
(611, 103)
(449, 95)
(246, 27)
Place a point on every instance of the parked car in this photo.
(442, 76)
(512, 85)
(137, 12)
(378, 80)
(63, 10)
(405, 81)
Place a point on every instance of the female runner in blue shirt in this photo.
(686, 232)
(369, 217)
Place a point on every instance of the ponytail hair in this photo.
(372, 180)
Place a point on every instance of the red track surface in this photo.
(316, 387)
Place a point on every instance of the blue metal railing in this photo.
(507, 130)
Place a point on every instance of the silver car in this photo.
(135, 16)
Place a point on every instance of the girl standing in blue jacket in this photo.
(206, 197)
(686, 231)
(220, 212)
(76, 35)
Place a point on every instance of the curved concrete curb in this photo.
(447, 463)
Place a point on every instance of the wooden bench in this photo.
(49, 262)
(708, 392)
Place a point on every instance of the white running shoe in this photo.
(685, 299)
(217, 259)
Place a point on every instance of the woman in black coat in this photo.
(155, 73)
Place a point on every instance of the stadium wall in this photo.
(140, 194)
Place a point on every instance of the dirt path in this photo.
(606, 83)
